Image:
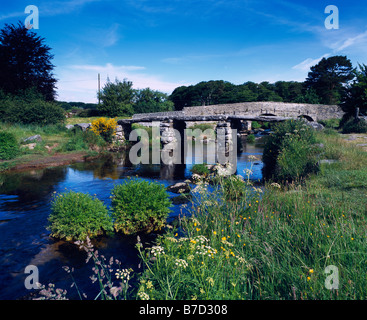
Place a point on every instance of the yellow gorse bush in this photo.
(104, 127)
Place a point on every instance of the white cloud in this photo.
(352, 41)
(308, 63)
(80, 82)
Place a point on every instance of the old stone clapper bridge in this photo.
(237, 116)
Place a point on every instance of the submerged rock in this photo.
(179, 187)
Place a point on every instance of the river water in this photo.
(25, 206)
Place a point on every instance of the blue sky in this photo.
(165, 44)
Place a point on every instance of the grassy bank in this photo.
(56, 142)
(278, 244)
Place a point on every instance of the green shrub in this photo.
(82, 140)
(233, 188)
(355, 126)
(139, 205)
(200, 169)
(255, 125)
(331, 123)
(289, 152)
(33, 112)
(9, 147)
(76, 216)
(250, 138)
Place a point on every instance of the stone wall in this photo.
(315, 111)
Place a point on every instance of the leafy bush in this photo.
(255, 125)
(289, 152)
(82, 140)
(250, 138)
(355, 126)
(139, 205)
(331, 123)
(104, 127)
(37, 112)
(200, 169)
(76, 216)
(9, 147)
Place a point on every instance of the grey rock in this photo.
(179, 187)
(315, 125)
(83, 126)
(36, 138)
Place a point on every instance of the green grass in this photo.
(274, 245)
(55, 139)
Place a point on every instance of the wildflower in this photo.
(157, 250)
(181, 263)
(308, 278)
(224, 239)
(200, 239)
(247, 172)
(275, 185)
(123, 274)
(149, 285)
(214, 232)
(210, 280)
(310, 271)
(143, 296)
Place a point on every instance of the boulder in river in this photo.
(179, 187)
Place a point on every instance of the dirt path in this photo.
(51, 161)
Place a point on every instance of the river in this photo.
(25, 206)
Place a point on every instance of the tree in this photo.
(25, 62)
(329, 78)
(117, 98)
(356, 93)
(147, 100)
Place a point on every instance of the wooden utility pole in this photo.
(99, 88)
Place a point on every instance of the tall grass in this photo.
(272, 245)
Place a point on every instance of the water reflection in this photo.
(25, 206)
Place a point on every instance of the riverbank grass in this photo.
(280, 244)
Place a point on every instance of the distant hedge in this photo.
(37, 112)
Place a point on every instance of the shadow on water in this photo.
(25, 206)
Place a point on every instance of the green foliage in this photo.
(250, 138)
(217, 92)
(25, 62)
(289, 152)
(255, 125)
(331, 123)
(356, 96)
(200, 169)
(82, 140)
(76, 216)
(147, 100)
(117, 99)
(9, 146)
(139, 205)
(328, 78)
(17, 109)
(120, 99)
(355, 126)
